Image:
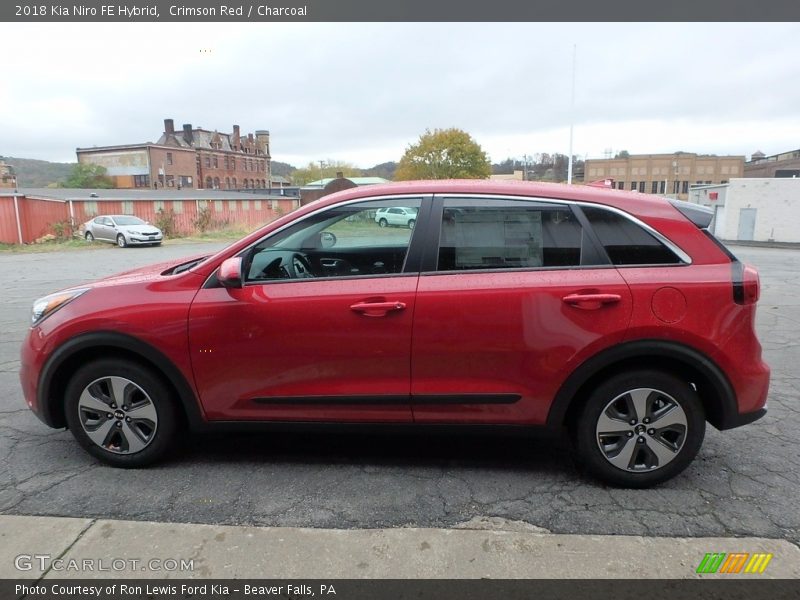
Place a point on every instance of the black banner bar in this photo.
(403, 11)
(734, 588)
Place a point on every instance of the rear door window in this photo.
(507, 234)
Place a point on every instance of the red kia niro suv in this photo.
(614, 316)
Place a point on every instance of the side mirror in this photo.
(230, 273)
(327, 239)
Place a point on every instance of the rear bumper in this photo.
(742, 419)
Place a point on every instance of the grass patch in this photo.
(55, 246)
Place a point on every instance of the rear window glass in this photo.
(627, 243)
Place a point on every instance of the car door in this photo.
(103, 228)
(514, 296)
(320, 331)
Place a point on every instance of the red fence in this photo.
(38, 217)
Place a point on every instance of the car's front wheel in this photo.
(411, 223)
(121, 412)
(121, 241)
(640, 428)
(89, 237)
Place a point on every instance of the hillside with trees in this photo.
(33, 173)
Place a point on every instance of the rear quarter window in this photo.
(626, 242)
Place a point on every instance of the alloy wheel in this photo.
(117, 415)
(642, 429)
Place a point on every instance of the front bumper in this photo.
(143, 239)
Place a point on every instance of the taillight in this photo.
(751, 285)
(746, 284)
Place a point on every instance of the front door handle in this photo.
(377, 309)
(591, 301)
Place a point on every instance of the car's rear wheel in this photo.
(121, 412)
(383, 222)
(121, 241)
(89, 237)
(411, 223)
(640, 428)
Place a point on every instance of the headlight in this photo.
(46, 306)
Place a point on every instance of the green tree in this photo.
(324, 169)
(444, 154)
(86, 175)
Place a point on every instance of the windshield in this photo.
(129, 221)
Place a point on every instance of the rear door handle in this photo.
(591, 301)
(377, 309)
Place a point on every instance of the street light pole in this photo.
(572, 115)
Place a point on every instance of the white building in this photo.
(762, 210)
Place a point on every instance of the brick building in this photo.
(8, 178)
(190, 158)
(785, 164)
(665, 174)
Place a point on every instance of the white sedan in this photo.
(122, 230)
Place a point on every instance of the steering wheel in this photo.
(299, 267)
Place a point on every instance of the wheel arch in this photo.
(63, 363)
(713, 387)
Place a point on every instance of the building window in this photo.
(170, 180)
(208, 161)
(227, 183)
(245, 204)
(233, 163)
(218, 205)
(90, 208)
(177, 207)
(127, 207)
(234, 182)
(634, 185)
(169, 158)
(654, 188)
(141, 181)
(216, 183)
(641, 186)
(685, 187)
(158, 205)
(209, 183)
(724, 181)
(257, 204)
(232, 205)
(662, 188)
(216, 162)
(676, 186)
(227, 162)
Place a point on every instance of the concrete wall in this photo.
(772, 206)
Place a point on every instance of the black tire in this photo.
(89, 237)
(148, 393)
(411, 223)
(121, 242)
(651, 454)
(383, 222)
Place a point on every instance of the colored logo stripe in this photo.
(720, 562)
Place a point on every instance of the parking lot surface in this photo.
(744, 482)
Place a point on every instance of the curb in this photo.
(484, 548)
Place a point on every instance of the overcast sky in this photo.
(363, 92)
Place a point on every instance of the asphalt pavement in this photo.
(744, 482)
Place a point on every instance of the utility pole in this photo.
(572, 115)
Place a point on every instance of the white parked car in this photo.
(122, 230)
(399, 216)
